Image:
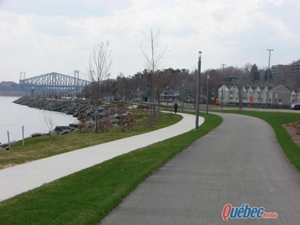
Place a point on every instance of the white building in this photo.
(225, 98)
(278, 95)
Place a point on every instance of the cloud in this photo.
(38, 39)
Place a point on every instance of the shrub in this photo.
(127, 123)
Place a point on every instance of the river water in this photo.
(14, 116)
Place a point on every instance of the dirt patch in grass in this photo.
(294, 131)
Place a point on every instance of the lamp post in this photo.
(197, 91)
(167, 96)
(138, 95)
(182, 97)
(222, 99)
(207, 78)
(267, 99)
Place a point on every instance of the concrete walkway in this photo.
(18, 179)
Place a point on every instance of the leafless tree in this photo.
(99, 68)
(240, 85)
(153, 57)
(49, 122)
(100, 64)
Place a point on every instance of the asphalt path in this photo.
(240, 162)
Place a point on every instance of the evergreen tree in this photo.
(254, 72)
(266, 74)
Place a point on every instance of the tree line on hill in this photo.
(129, 87)
(9, 88)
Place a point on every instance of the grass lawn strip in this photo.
(276, 120)
(87, 196)
(46, 146)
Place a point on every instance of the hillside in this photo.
(9, 88)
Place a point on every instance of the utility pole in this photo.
(197, 91)
(222, 86)
(267, 99)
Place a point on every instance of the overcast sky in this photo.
(41, 36)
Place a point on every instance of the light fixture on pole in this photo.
(197, 91)
(207, 98)
(267, 99)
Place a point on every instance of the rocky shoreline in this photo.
(77, 109)
(84, 112)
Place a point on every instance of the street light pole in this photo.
(138, 95)
(182, 96)
(267, 99)
(197, 91)
(222, 87)
(207, 78)
(167, 96)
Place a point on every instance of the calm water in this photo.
(13, 116)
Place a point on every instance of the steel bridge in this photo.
(55, 81)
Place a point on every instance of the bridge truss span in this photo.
(55, 81)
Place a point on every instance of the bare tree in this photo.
(99, 69)
(49, 122)
(153, 57)
(100, 64)
(240, 85)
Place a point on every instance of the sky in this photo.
(42, 36)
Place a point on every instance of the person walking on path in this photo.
(175, 107)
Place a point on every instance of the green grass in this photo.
(45, 146)
(87, 196)
(276, 120)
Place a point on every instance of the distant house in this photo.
(249, 94)
(257, 94)
(176, 94)
(293, 97)
(280, 95)
(264, 92)
(297, 100)
(233, 94)
(231, 79)
(244, 94)
(225, 97)
(167, 95)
